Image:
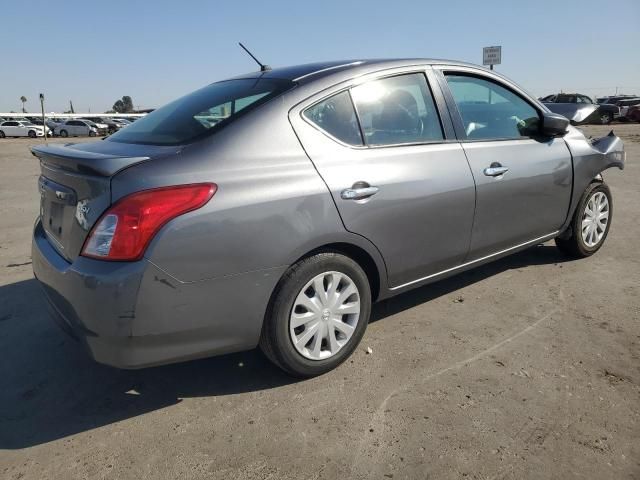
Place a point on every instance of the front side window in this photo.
(336, 116)
(200, 113)
(490, 111)
(397, 110)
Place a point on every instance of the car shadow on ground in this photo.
(51, 389)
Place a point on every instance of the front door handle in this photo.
(495, 170)
(359, 191)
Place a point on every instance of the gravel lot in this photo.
(525, 368)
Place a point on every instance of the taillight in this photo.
(124, 230)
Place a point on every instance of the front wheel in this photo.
(606, 118)
(590, 224)
(64, 133)
(2, 135)
(318, 315)
(32, 134)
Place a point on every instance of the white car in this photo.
(15, 128)
(98, 123)
(75, 128)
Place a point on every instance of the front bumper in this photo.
(133, 314)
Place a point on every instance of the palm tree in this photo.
(23, 99)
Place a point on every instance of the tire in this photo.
(64, 133)
(92, 133)
(2, 135)
(32, 134)
(606, 118)
(277, 339)
(575, 244)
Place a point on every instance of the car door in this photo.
(523, 180)
(69, 127)
(78, 127)
(10, 129)
(395, 170)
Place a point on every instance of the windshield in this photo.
(201, 112)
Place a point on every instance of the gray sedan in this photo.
(272, 209)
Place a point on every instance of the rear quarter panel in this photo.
(271, 206)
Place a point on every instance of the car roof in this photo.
(314, 71)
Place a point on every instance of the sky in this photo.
(154, 51)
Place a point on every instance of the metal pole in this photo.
(44, 118)
(491, 67)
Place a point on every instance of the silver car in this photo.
(77, 128)
(272, 209)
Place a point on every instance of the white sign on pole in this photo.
(492, 55)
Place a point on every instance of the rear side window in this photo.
(202, 112)
(566, 98)
(490, 111)
(337, 117)
(397, 110)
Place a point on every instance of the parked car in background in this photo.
(625, 104)
(106, 123)
(325, 187)
(613, 99)
(34, 120)
(633, 114)
(580, 109)
(53, 123)
(77, 128)
(23, 128)
(102, 127)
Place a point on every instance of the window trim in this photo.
(439, 102)
(443, 70)
(323, 131)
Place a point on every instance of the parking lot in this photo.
(526, 367)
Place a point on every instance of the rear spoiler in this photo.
(91, 163)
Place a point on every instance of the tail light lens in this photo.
(124, 230)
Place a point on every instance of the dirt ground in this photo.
(525, 368)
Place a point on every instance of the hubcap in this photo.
(324, 315)
(595, 219)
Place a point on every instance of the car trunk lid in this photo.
(75, 187)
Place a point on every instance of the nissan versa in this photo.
(272, 209)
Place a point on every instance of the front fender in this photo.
(590, 158)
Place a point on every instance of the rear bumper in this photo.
(133, 315)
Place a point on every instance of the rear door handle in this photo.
(495, 170)
(358, 193)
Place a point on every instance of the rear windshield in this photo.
(200, 113)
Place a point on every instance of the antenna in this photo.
(263, 67)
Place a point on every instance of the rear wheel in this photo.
(590, 224)
(64, 133)
(317, 316)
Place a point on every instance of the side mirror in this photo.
(554, 124)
